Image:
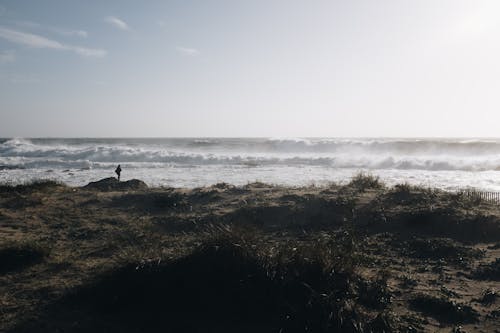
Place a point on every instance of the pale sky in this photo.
(234, 68)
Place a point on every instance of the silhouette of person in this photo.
(118, 171)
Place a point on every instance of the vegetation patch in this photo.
(407, 281)
(362, 182)
(444, 309)
(488, 297)
(174, 225)
(228, 188)
(445, 221)
(226, 284)
(375, 294)
(19, 201)
(41, 185)
(248, 259)
(441, 249)
(467, 199)
(411, 195)
(489, 271)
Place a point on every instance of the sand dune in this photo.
(119, 256)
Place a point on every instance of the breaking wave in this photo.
(374, 154)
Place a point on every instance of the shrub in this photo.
(412, 194)
(362, 182)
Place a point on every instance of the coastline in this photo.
(448, 164)
(407, 257)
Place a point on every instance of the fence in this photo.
(481, 195)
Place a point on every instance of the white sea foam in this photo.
(444, 163)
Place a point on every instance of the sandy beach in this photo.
(362, 257)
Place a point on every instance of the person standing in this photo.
(118, 171)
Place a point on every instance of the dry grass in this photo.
(363, 181)
(41, 185)
(230, 280)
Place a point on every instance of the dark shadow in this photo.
(221, 287)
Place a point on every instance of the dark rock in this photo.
(113, 184)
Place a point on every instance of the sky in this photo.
(260, 68)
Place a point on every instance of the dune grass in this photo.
(264, 259)
(365, 181)
(232, 280)
(35, 185)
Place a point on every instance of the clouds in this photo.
(57, 30)
(187, 51)
(37, 39)
(77, 33)
(117, 23)
(40, 42)
(34, 35)
(30, 40)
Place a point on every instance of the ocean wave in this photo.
(374, 154)
(399, 146)
(382, 163)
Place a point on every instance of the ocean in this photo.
(192, 162)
